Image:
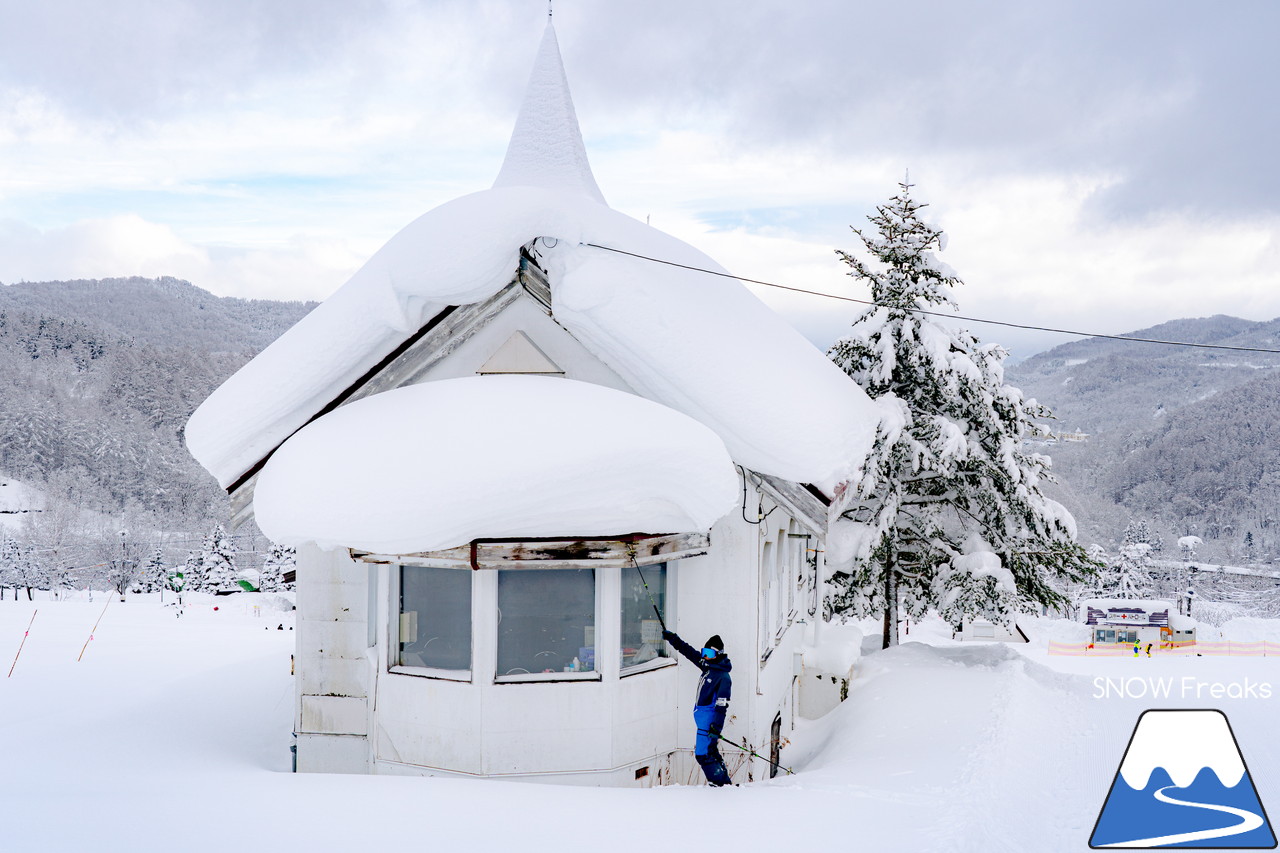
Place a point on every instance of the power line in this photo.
(936, 313)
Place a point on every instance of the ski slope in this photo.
(172, 734)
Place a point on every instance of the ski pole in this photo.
(653, 603)
(748, 751)
(95, 629)
(23, 643)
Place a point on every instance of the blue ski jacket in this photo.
(715, 686)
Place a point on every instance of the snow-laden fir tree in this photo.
(1138, 531)
(153, 576)
(1128, 576)
(192, 576)
(218, 559)
(8, 566)
(948, 511)
(279, 560)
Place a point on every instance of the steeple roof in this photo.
(546, 147)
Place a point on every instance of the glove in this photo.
(714, 730)
(668, 636)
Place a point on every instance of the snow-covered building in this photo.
(1129, 620)
(505, 451)
(986, 631)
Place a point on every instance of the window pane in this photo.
(546, 621)
(435, 617)
(641, 630)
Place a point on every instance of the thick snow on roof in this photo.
(702, 345)
(546, 147)
(1132, 603)
(515, 456)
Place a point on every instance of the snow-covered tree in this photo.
(278, 561)
(8, 566)
(1138, 531)
(218, 559)
(948, 511)
(153, 576)
(1128, 577)
(192, 576)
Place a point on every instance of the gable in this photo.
(519, 354)
(464, 341)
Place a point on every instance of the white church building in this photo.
(507, 450)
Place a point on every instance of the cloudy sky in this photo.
(1097, 165)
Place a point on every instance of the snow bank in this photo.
(970, 749)
(436, 465)
(838, 651)
(1248, 629)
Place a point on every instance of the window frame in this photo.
(667, 596)
(596, 674)
(393, 629)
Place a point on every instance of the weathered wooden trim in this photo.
(589, 552)
(242, 500)
(535, 281)
(797, 500)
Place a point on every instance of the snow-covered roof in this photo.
(698, 343)
(1129, 603)
(389, 475)
(546, 147)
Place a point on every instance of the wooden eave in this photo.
(588, 552)
(801, 500)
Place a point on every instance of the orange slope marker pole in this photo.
(95, 629)
(23, 643)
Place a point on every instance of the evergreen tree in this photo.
(279, 560)
(153, 576)
(218, 559)
(9, 557)
(192, 574)
(1138, 532)
(948, 512)
(1128, 577)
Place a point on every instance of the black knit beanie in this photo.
(714, 642)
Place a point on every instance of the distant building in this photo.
(1126, 621)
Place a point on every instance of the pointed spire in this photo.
(546, 147)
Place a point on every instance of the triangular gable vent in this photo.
(520, 355)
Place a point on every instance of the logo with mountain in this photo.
(1183, 783)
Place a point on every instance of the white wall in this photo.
(588, 731)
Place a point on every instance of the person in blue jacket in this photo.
(712, 704)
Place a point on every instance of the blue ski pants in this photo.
(705, 747)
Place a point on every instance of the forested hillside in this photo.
(1183, 437)
(97, 379)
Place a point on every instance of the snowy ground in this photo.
(173, 733)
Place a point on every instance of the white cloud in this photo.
(120, 246)
(268, 149)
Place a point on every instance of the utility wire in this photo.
(936, 313)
